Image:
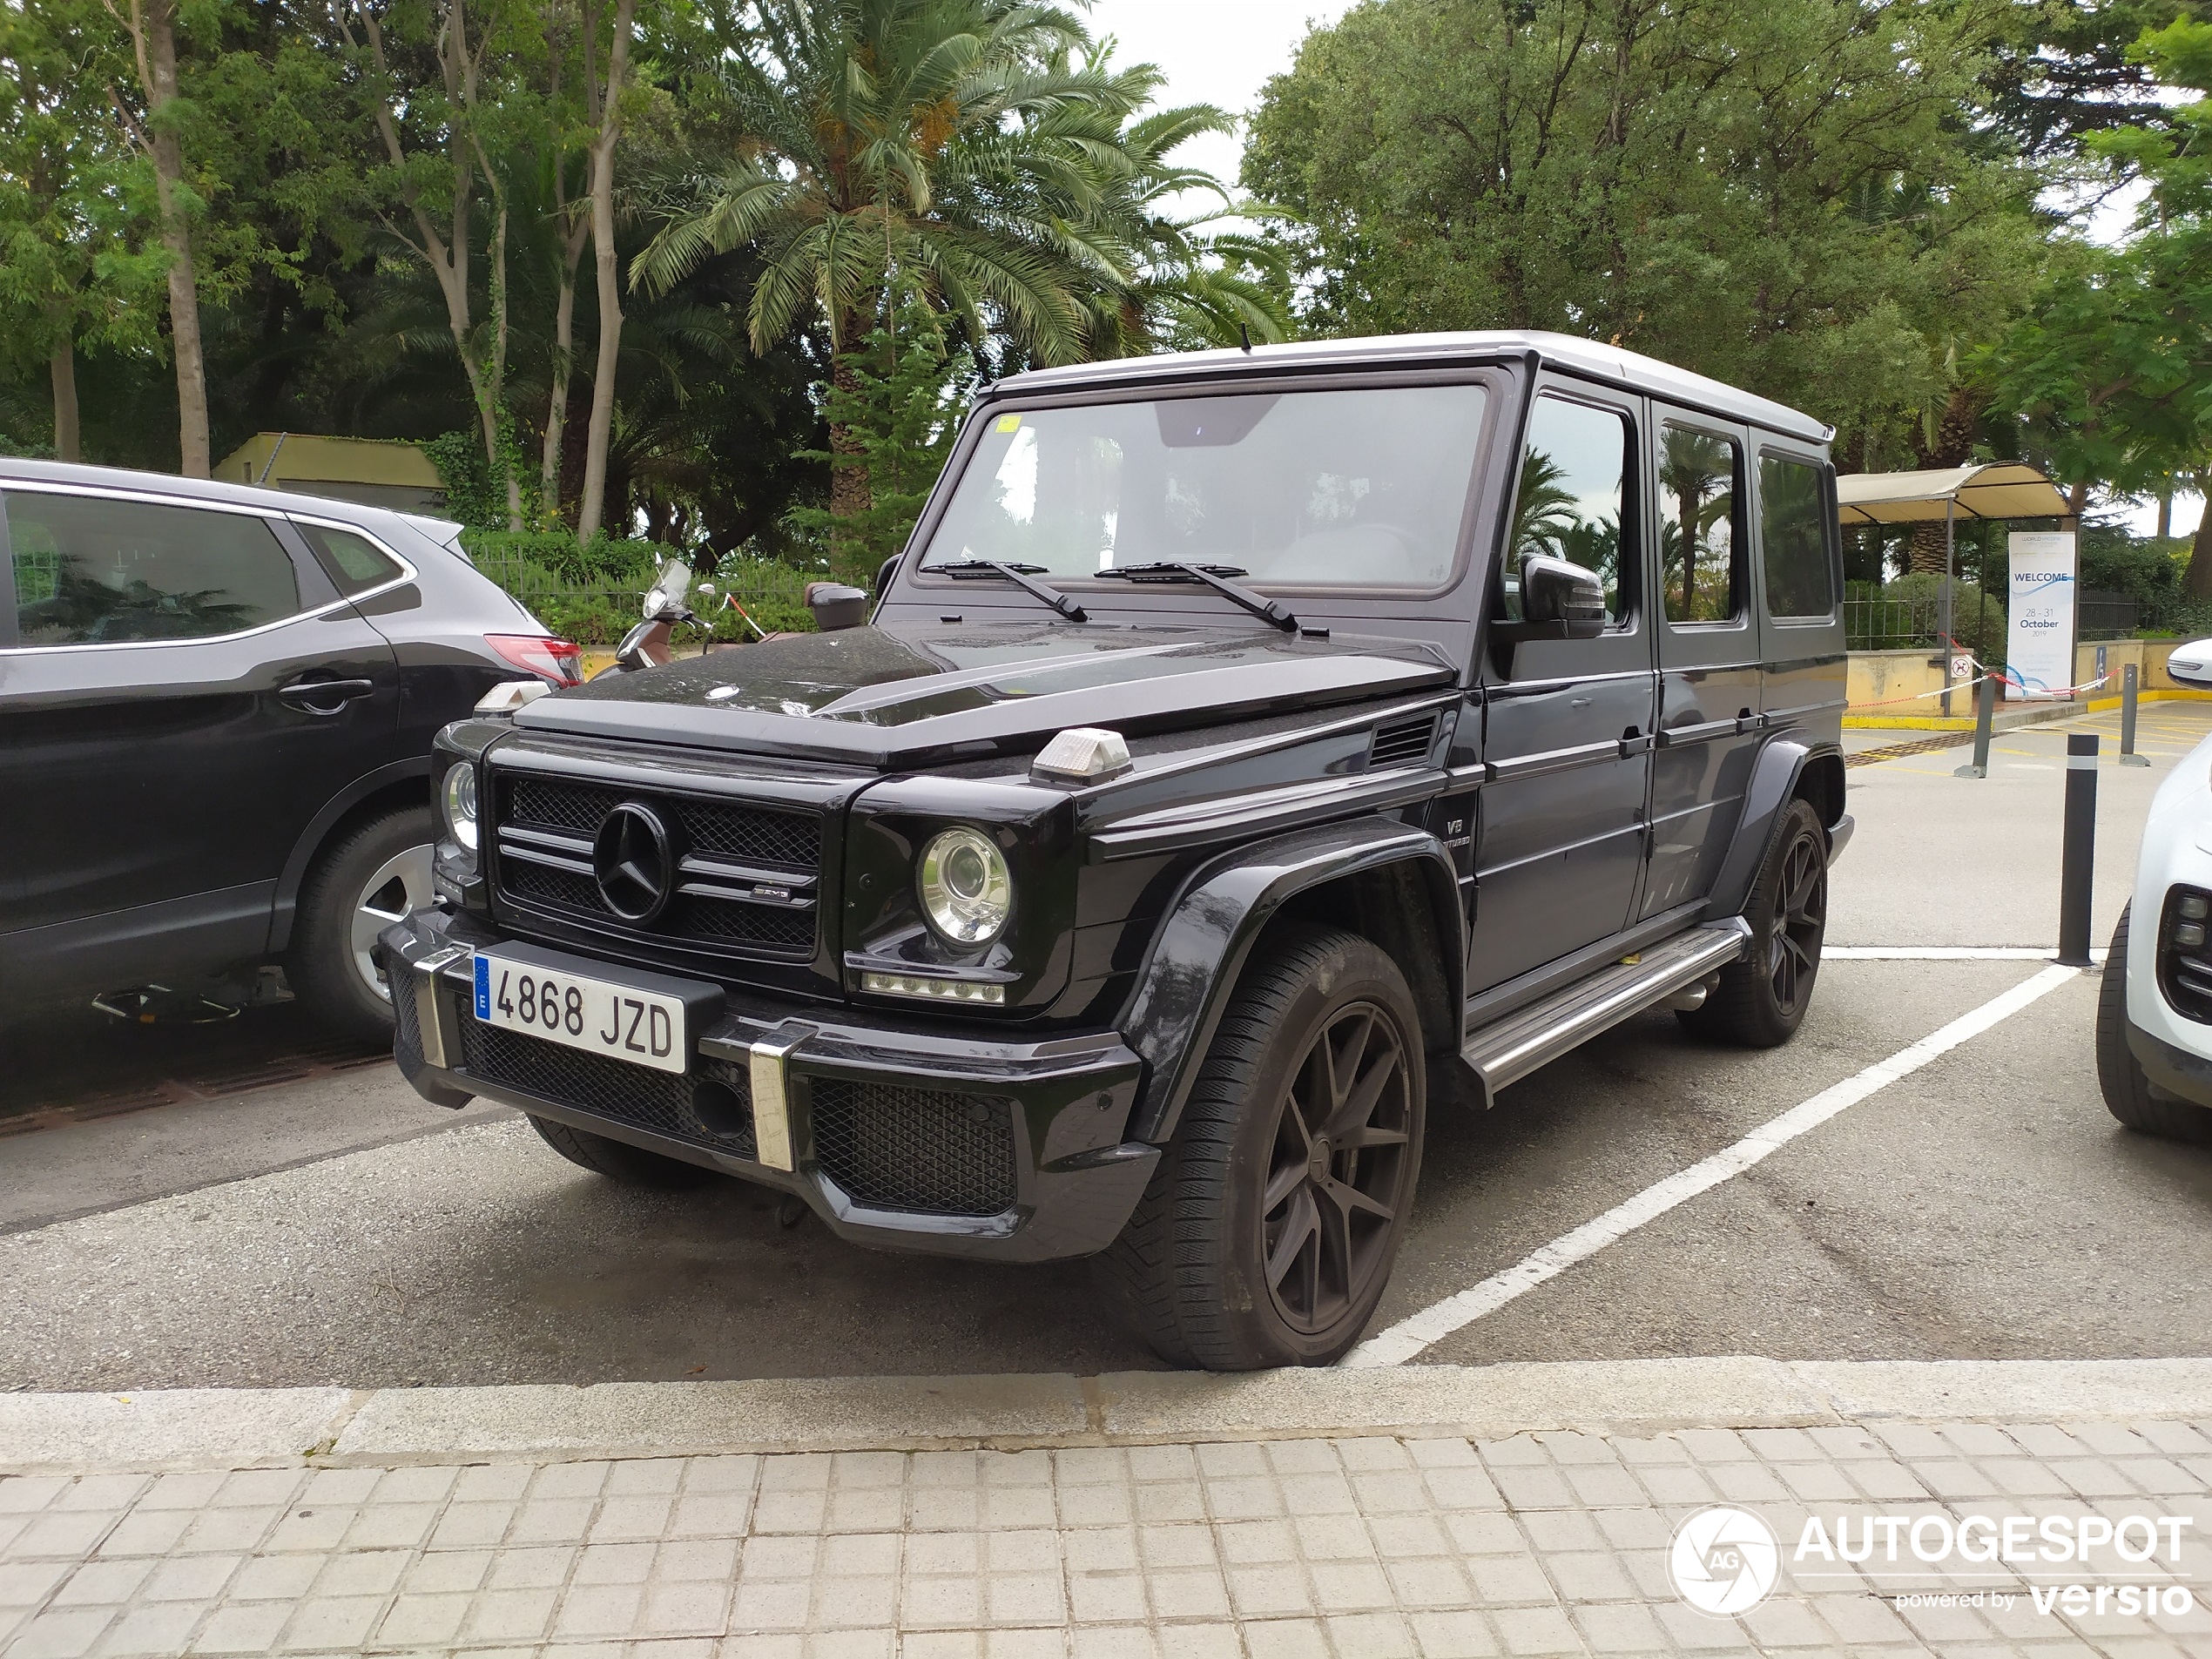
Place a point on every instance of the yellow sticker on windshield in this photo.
(1008, 423)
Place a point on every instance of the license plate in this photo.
(578, 1012)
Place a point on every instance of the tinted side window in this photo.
(89, 571)
(1701, 543)
(1793, 528)
(1573, 499)
(355, 562)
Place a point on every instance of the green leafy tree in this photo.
(902, 407)
(1787, 194)
(2110, 375)
(957, 143)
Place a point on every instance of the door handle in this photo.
(324, 697)
(1578, 702)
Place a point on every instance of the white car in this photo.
(2154, 1009)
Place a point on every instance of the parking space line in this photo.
(1404, 1340)
(1943, 953)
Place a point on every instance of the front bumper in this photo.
(976, 1145)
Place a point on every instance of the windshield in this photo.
(1351, 489)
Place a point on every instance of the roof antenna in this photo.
(1247, 334)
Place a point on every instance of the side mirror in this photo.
(2192, 664)
(836, 606)
(885, 571)
(1555, 592)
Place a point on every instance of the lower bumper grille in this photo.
(713, 1107)
(891, 1148)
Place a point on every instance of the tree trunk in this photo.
(63, 365)
(157, 42)
(850, 495)
(2166, 512)
(2198, 583)
(600, 433)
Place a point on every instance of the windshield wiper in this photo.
(1017, 574)
(1259, 604)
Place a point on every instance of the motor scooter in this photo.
(667, 607)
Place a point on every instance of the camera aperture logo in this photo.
(1724, 1562)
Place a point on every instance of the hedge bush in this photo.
(592, 594)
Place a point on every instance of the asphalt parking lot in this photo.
(331, 1229)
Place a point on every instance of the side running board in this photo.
(1535, 1036)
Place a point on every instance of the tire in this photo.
(1762, 998)
(2127, 1089)
(373, 875)
(1320, 1033)
(632, 1166)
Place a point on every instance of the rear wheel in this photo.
(1762, 998)
(1269, 1231)
(2127, 1091)
(633, 1166)
(377, 873)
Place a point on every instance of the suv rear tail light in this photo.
(558, 660)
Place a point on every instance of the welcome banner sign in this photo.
(2039, 607)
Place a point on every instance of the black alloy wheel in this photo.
(1267, 1235)
(1799, 918)
(1762, 998)
(1337, 1181)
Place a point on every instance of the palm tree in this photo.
(957, 143)
(1698, 471)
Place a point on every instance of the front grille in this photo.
(2185, 953)
(751, 870)
(713, 1107)
(1402, 743)
(894, 1148)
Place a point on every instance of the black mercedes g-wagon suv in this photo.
(1241, 738)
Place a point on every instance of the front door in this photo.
(1709, 652)
(1566, 722)
(184, 694)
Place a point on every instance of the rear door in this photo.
(186, 691)
(1708, 650)
(1800, 573)
(1566, 722)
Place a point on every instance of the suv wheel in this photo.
(1269, 1230)
(1762, 999)
(633, 1166)
(375, 875)
(2127, 1091)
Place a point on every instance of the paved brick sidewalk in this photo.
(1365, 1545)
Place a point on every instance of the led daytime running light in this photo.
(940, 990)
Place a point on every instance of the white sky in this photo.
(1213, 51)
(1222, 52)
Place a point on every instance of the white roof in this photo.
(2002, 490)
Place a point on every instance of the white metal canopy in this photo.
(2001, 490)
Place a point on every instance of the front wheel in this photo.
(378, 873)
(2128, 1095)
(1762, 997)
(1269, 1230)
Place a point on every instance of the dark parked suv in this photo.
(216, 709)
(1241, 738)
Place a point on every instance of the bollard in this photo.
(1985, 717)
(2127, 693)
(2077, 862)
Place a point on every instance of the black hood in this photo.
(911, 695)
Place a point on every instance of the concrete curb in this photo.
(242, 1428)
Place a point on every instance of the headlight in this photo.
(458, 798)
(966, 891)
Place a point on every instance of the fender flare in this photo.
(1199, 950)
(1775, 779)
(318, 830)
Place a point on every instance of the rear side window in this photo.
(1793, 526)
(1700, 527)
(355, 563)
(93, 571)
